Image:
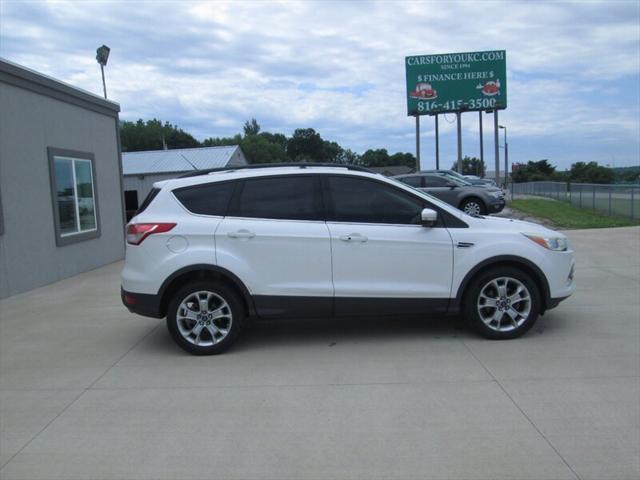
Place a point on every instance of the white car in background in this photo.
(209, 250)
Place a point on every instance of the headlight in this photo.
(558, 244)
(496, 194)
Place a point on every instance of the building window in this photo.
(74, 195)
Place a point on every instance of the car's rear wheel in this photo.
(473, 206)
(205, 318)
(501, 303)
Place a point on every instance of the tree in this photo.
(375, 158)
(251, 127)
(153, 135)
(471, 166)
(533, 171)
(591, 172)
(257, 149)
(277, 138)
(222, 141)
(348, 157)
(306, 145)
(331, 152)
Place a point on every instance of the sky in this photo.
(573, 68)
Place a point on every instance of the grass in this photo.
(565, 215)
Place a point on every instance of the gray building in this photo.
(61, 207)
(142, 169)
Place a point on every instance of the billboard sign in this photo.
(456, 82)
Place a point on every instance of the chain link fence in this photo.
(621, 200)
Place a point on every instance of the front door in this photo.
(384, 261)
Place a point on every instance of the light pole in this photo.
(506, 156)
(102, 56)
(496, 142)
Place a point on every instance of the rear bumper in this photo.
(142, 303)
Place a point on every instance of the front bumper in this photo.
(496, 206)
(142, 303)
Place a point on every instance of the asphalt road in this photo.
(89, 391)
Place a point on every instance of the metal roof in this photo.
(177, 160)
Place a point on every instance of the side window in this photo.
(208, 199)
(435, 181)
(294, 197)
(358, 200)
(414, 181)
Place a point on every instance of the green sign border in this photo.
(434, 81)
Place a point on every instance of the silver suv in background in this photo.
(478, 182)
(471, 199)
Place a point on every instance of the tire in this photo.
(514, 314)
(473, 206)
(209, 333)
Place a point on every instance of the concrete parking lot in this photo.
(88, 390)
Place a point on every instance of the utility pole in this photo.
(506, 155)
(418, 167)
(459, 118)
(506, 163)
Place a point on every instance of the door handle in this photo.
(353, 237)
(241, 234)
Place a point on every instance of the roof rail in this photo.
(207, 171)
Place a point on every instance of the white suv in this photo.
(311, 240)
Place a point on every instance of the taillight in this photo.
(137, 232)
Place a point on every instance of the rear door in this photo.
(275, 240)
(384, 261)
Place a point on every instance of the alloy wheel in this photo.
(504, 304)
(204, 318)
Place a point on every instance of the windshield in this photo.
(460, 181)
(451, 173)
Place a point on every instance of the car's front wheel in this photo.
(501, 303)
(205, 318)
(473, 206)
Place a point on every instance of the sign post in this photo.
(437, 144)
(497, 142)
(455, 83)
(418, 143)
(459, 121)
(480, 174)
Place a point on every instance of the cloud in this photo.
(338, 66)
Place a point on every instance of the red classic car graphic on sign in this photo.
(490, 88)
(424, 90)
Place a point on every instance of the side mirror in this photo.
(428, 217)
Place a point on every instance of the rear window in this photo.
(209, 199)
(147, 201)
